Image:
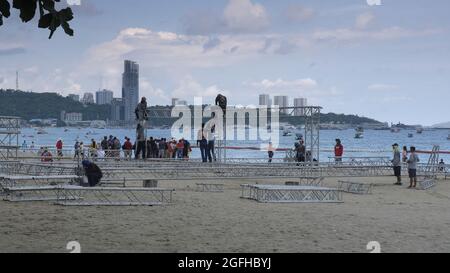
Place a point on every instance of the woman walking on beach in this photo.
(412, 168)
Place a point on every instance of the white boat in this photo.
(419, 130)
(395, 130)
(448, 138)
(41, 131)
(359, 135)
(287, 133)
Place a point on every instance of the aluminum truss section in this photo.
(432, 168)
(205, 187)
(247, 172)
(78, 196)
(354, 187)
(9, 137)
(291, 194)
(311, 115)
(32, 193)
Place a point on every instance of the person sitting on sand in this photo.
(93, 173)
(46, 156)
(412, 167)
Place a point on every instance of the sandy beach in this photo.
(401, 220)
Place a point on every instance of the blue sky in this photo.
(389, 62)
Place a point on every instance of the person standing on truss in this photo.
(141, 117)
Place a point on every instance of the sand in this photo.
(401, 220)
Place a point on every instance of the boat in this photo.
(359, 135)
(395, 130)
(287, 133)
(448, 138)
(41, 131)
(419, 130)
(410, 135)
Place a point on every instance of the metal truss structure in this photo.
(432, 168)
(291, 194)
(427, 183)
(355, 187)
(311, 115)
(20, 181)
(9, 137)
(204, 187)
(78, 196)
(32, 193)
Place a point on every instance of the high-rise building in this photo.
(74, 97)
(300, 102)
(117, 109)
(265, 100)
(130, 88)
(88, 98)
(104, 97)
(282, 101)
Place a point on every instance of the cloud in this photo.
(297, 13)
(188, 88)
(382, 87)
(280, 84)
(345, 34)
(364, 20)
(12, 51)
(87, 8)
(244, 16)
(154, 95)
(239, 16)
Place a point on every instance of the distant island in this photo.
(31, 105)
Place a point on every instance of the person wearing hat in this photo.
(397, 163)
(93, 172)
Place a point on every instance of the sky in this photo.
(389, 62)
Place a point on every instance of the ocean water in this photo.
(374, 143)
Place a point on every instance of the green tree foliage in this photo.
(49, 17)
(29, 105)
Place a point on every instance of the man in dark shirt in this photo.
(92, 172)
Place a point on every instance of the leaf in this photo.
(67, 28)
(49, 5)
(27, 9)
(66, 14)
(45, 20)
(5, 8)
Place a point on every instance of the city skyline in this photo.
(347, 57)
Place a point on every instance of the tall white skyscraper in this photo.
(282, 101)
(104, 97)
(300, 102)
(130, 88)
(264, 100)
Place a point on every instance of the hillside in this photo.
(28, 105)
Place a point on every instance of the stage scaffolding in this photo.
(9, 138)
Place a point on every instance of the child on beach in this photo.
(412, 168)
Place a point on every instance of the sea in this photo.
(375, 143)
